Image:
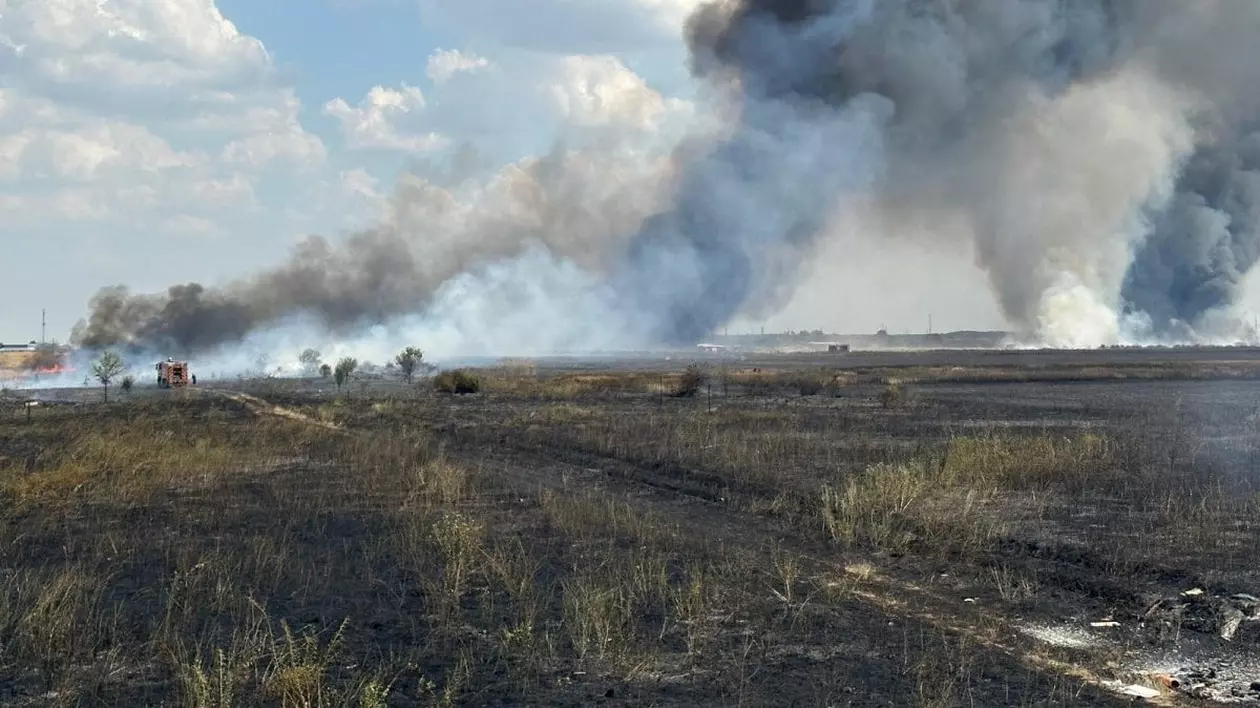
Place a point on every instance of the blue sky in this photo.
(146, 144)
(151, 143)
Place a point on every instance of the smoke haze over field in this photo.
(1099, 157)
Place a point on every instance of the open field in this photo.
(801, 531)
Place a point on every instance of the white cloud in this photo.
(359, 183)
(295, 146)
(670, 15)
(194, 226)
(364, 196)
(563, 26)
(236, 190)
(130, 43)
(446, 63)
(79, 204)
(90, 152)
(382, 118)
(601, 91)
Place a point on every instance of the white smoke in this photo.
(1051, 135)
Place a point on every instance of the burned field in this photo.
(789, 534)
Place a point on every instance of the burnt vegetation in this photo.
(802, 536)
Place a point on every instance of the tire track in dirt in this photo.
(259, 407)
(704, 516)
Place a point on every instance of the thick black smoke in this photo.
(1204, 243)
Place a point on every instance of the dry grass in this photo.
(565, 538)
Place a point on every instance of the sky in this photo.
(153, 142)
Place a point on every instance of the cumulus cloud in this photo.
(382, 118)
(446, 63)
(130, 44)
(92, 151)
(563, 26)
(601, 91)
(127, 122)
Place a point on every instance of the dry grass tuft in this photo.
(946, 501)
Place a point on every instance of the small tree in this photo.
(325, 371)
(127, 383)
(106, 369)
(310, 361)
(345, 367)
(408, 360)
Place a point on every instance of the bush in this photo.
(457, 381)
(690, 382)
(810, 385)
(894, 394)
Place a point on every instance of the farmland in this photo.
(940, 529)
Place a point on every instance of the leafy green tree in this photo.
(310, 361)
(106, 369)
(408, 360)
(345, 367)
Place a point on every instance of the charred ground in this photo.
(798, 532)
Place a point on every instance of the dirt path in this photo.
(699, 516)
(259, 407)
(884, 600)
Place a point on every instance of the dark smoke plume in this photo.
(1049, 126)
(574, 203)
(1050, 134)
(1204, 243)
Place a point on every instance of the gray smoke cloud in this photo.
(1092, 153)
(575, 204)
(1044, 127)
(1203, 244)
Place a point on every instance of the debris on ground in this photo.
(1197, 610)
(1218, 684)
(1139, 691)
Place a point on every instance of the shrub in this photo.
(457, 381)
(894, 394)
(690, 382)
(810, 385)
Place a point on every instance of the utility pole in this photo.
(929, 323)
(43, 326)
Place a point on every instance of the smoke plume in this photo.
(1203, 244)
(438, 238)
(1098, 156)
